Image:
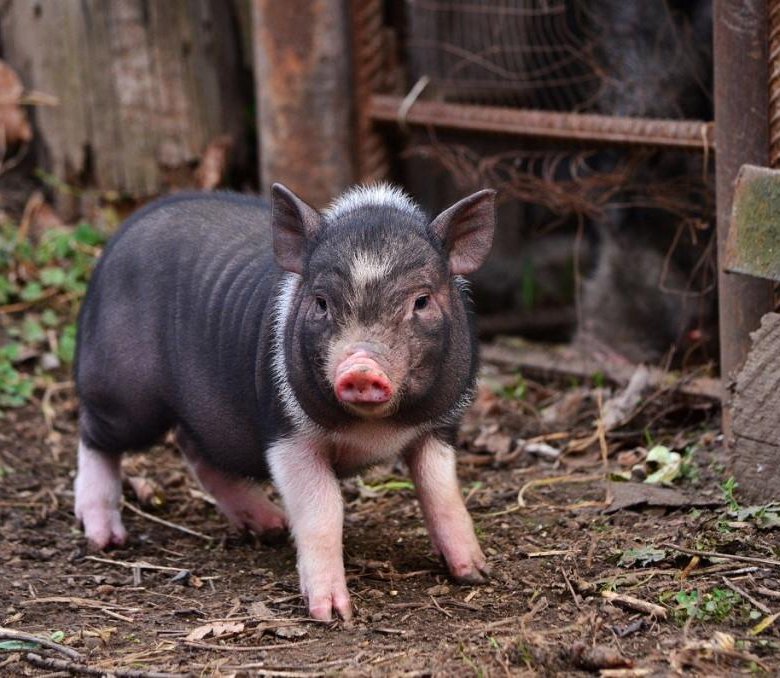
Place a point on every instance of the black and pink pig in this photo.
(289, 343)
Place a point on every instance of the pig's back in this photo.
(172, 329)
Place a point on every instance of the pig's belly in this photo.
(370, 443)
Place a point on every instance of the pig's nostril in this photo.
(363, 386)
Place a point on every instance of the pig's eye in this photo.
(322, 305)
(421, 302)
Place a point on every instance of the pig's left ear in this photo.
(293, 222)
(466, 229)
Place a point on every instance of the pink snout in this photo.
(360, 380)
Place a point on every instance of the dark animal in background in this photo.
(651, 293)
(291, 343)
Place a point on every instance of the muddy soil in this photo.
(211, 602)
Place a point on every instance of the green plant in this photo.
(728, 487)
(41, 286)
(715, 605)
(516, 390)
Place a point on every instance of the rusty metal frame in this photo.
(690, 135)
(371, 153)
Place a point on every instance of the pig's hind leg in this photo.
(432, 466)
(98, 490)
(241, 500)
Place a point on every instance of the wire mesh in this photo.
(612, 56)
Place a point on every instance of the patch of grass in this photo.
(714, 605)
(728, 487)
(41, 286)
(517, 390)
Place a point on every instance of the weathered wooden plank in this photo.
(143, 86)
(755, 449)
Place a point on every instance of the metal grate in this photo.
(532, 53)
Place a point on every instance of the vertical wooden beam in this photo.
(741, 136)
(142, 87)
(302, 73)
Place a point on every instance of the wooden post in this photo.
(143, 86)
(741, 136)
(302, 72)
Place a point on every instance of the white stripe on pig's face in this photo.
(376, 318)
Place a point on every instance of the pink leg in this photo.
(241, 500)
(432, 466)
(304, 476)
(98, 490)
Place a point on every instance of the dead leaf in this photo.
(598, 657)
(289, 632)
(259, 610)
(438, 590)
(14, 126)
(493, 440)
(212, 166)
(147, 491)
(215, 630)
(633, 495)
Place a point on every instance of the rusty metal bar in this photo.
(690, 135)
(371, 156)
(774, 83)
(742, 136)
(302, 73)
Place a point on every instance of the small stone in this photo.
(438, 590)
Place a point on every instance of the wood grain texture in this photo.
(755, 448)
(143, 86)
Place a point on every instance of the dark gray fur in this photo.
(177, 329)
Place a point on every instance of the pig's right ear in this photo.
(293, 222)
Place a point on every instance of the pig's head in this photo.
(376, 323)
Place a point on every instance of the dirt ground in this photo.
(578, 587)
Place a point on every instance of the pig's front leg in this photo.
(304, 477)
(432, 466)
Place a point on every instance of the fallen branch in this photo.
(635, 604)
(13, 634)
(535, 360)
(755, 603)
(78, 602)
(725, 556)
(74, 668)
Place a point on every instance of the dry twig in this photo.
(13, 634)
(167, 523)
(725, 556)
(635, 603)
(76, 668)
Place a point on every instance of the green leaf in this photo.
(52, 276)
(13, 645)
(87, 235)
(31, 291)
(642, 556)
(32, 331)
(50, 318)
(7, 289)
(67, 344)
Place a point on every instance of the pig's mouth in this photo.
(363, 387)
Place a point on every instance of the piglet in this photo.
(279, 341)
